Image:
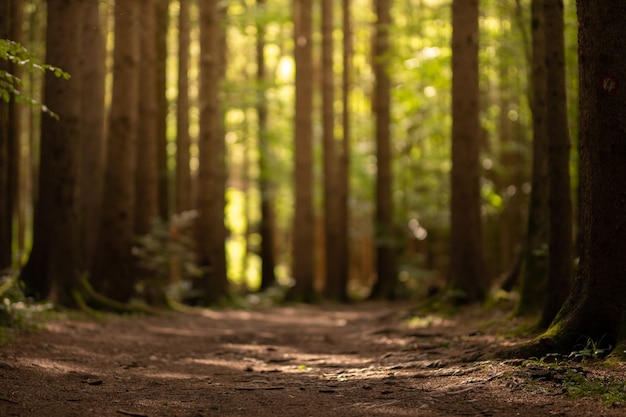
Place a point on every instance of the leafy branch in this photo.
(10, 84)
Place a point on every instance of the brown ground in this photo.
(364, 360)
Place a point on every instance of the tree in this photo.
(268, 257)
(386, 274)
(335, 287)
(93, 147)
(211, 231)
(343, 244)
(10, 131)
(560, 200)
(535, 270)
(466, 257)
(162, 22)
(303, 262)
(595, 308)
(53, 267)
(147, 170)
(112, 267)
(183, 172)
(6, 215)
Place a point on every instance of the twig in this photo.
(130, 413)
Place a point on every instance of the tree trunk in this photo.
(146, 174)
(92, 129)
(5, 200)
(183, 172)
(112, 270)
(535, 270)
(162, 21)
(560, 200)
(52, 270)
(343, 244)
(334, 282)
(467, 280)
(386, 273)
(596, 307)
(211, 232)
(303, 267)
(268, 257)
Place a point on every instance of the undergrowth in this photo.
(16, 310)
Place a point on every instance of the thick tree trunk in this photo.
(92, 129)
(561, 262)
(386, 273)
(183, 172)
(211, 232)
(146, 174)
(335, 285)
(596, 307)
(268, 257)
(52, 270)
(162, 22)
(535, 270)
(467, 280)
(112, 269)
(303, 267)
(343, 244)
(5, 201)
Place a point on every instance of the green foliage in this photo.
(16, 311)
(10, 84)
(576, 381)
(168, 253)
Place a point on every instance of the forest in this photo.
(161, 153)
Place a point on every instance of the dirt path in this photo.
(299, 361)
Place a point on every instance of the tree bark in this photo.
(596, 307)
(112, 269)
(561, 263)
(303, 267)
(266, 185)
(147, 174)
(211, 232)
(386, 273)
(6, 215)
(162, 21)
(535, 269)
(343, 244)
(52, 270)
(335, 285)
(92, 129)
(467, 280)
(183, 141)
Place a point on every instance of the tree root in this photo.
(92, 302)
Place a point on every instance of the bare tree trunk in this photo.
(162, 21)
(560, 199)
(268, 256)
(334, 282)
(467, 278)
(303, 268)
(211, 176)
(5, 138)
(183, 172)
(343, 244)
(146, 174)
(385, 285)
(92, 129)
(595, 309)
(52, 270)
(112, 269)
(532, 294)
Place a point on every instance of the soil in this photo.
(364, 360)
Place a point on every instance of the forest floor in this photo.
(369, 359)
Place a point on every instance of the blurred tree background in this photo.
(191, 166)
